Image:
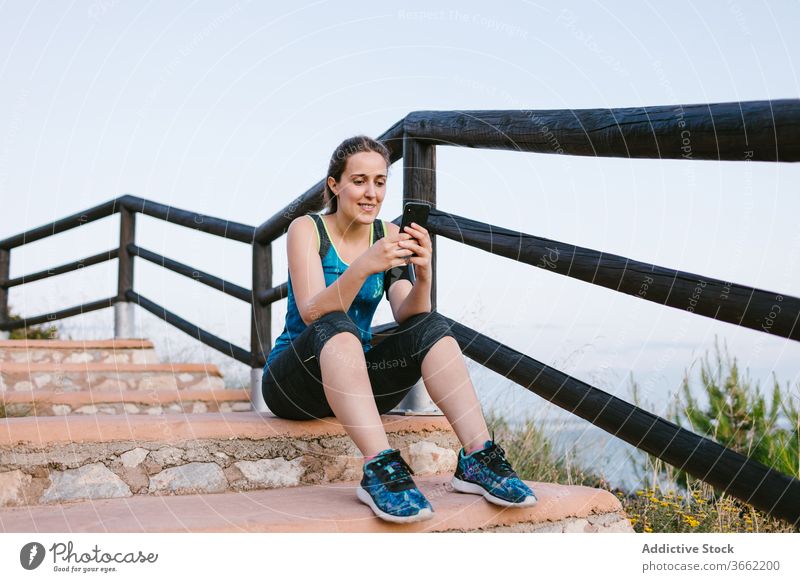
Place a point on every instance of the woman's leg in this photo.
(349, 393)
(322, 374)
(450, 387)
(424, 345)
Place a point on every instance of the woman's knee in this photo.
(335, 322)
(428, 328)
(430, 323)
(332, 324)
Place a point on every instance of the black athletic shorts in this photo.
(292, 383)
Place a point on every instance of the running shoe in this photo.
(487, 472)
(389, 490)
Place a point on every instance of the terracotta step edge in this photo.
(41, 431)
(331, 507)
(22, 367)
(133, 396)
(143, 344)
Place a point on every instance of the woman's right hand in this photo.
(384, 254)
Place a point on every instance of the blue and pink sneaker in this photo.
(389, 490)
(487, 472)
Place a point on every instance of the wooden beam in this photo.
(727, 470)
(750, 130)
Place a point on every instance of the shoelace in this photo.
(494, 458)
(393, 471)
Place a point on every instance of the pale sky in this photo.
(232, 109)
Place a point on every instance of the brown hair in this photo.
(350, 146)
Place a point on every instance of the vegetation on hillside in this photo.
(32, 332)
(728, 408)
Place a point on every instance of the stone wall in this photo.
(74, 471)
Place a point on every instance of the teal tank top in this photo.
(365, 303)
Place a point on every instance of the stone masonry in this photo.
(32, 475)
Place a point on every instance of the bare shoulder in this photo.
(303, 229)
(303, 223)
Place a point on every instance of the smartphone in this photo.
(415, 212)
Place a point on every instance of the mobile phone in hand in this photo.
(415, 212)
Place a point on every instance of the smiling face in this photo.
(362, 187)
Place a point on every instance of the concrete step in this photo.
(331, 507)
(55, 459)
(56, 403)
(127, 351)
(65, 377)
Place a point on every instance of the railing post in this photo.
(5, 261)
(260, 322)
(124, 324)
(419, 185)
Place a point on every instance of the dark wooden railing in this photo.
(128, 207)
(750, 131)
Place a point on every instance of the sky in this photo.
(232, 109)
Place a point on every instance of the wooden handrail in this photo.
(60, 270)
(195, 274)
(198, 333)
(764, 131)
(56, 315)
(765, 311)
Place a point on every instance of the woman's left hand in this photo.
(421, 245)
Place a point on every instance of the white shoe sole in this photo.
(467, 487)
(366, 498)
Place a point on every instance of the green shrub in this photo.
(737, 415)
(697, 509)
(33, 332)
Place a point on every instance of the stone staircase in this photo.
(55, 378)
(119, 442)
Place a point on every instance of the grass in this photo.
(532, 455)
(697, 509)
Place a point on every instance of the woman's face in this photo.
(362, 187)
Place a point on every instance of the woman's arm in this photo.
(313, 298)
(407, 299)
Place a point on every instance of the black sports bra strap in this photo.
(324, 241)
(378, 229)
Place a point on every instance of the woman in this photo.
(340, 265)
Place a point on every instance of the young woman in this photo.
(340, 265)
